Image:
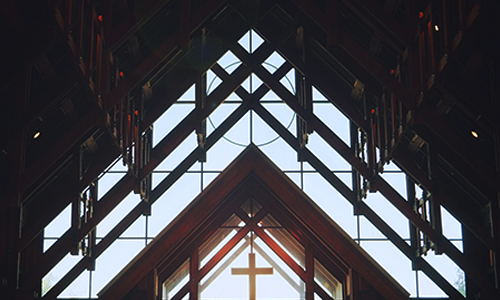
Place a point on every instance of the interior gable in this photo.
(253, 194)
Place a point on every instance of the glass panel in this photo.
(112, 261)
(175, 199)
(58, 272)
(427, 288)
(79, 288)
(447, 268)
(137, 229)
(251, 41)
(117, 214)
(331, 116)
(229, 62)
(176, 281)
(252, 83)
(221, 113)
(397, 181)
(218, 239)
(179, 153)
(327, 154)
(282, 113)
(393, 261)
(452, 228)
(327, 281)
(288, 81)
(273, 62)
(368, 230)
(106, 182)
(331, 201)
(390, 214)
(59, 224)
(283, 283)
(169, 120)
(219, 283)
(213, 81)
(217, 162)
(281, 154)
(189, 95)
(284, 239)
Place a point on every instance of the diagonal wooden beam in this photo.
(376, 71)
(116, 194)
(93, 118)
(139, 209)
(385, 189)
(402, 159)
(363, 207)
(146, 67)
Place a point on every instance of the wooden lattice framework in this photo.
(108, 100)
(253, 177)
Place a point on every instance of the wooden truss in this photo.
(253, 178)
(128, 94)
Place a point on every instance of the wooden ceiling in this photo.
(83, 81)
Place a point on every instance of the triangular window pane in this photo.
(59, 224)
(427, 287)
(245, 41)
(233, 97)
(273, 62)
(213, 81)
(229, 62)
(271, 96)
(251, 41)
(256, 41)
(189, 95)
(252, 83)
(289, 81)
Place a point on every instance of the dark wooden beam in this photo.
(362, 206)
(126, 187)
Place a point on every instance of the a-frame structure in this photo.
(252, 194)
(84, 81)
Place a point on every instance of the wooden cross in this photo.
(252, 271)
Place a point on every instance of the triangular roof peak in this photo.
(253, 176)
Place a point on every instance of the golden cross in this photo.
(252, 271)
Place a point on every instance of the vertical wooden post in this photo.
(309, 273)
(354, 285)
(193, 275)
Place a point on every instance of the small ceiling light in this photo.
(436, 27)
(36, 135)
(474, 134)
